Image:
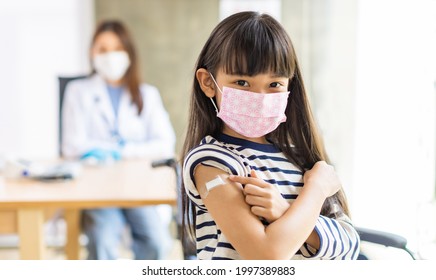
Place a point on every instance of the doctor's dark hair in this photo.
(131, 78)
(249, 43)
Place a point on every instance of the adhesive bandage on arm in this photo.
(218, 181)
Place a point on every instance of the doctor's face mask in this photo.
(251, 114)
(112, 65)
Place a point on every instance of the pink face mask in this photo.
(251, 114)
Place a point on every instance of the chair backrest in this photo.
(63, 81)
(382, 238)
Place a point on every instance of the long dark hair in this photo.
(131, 78)
(249, 43)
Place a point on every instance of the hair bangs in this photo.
(257, 48)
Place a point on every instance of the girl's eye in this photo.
(275, 85)
(242, 83)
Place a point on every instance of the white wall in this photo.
(394, 159)
(271, 7)
(369, 67)
(40, 41)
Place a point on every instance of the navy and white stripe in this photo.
(339, 239)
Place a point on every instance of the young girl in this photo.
(256, 183)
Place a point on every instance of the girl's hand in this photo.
(265, 199)
(322, 176)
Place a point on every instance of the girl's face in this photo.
(262, 83)
(106, 42)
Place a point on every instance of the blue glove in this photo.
(101, 155)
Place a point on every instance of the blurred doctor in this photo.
(110, 116)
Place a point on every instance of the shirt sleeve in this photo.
(338, 240)
(161, 138)
(209, 155)
(78, 109)
(73, 117)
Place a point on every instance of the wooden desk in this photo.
(124, 184)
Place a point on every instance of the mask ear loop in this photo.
(214, 105)
(211, 99)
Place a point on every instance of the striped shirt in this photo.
(338, 238)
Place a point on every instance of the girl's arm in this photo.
(337, 236)
(282, 238)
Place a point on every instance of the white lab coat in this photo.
(88, 119)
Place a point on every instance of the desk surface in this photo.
(123, 184)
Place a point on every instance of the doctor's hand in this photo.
(101, 156)
(265, 199)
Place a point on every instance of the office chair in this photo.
(188, 246)
(63, 82)
(386, 239)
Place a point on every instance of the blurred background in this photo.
(369, 67)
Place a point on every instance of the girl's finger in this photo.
(248, 180)
(243, 180)
(251, 189)
(260, 212)
(253, 174)
(257, 201)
